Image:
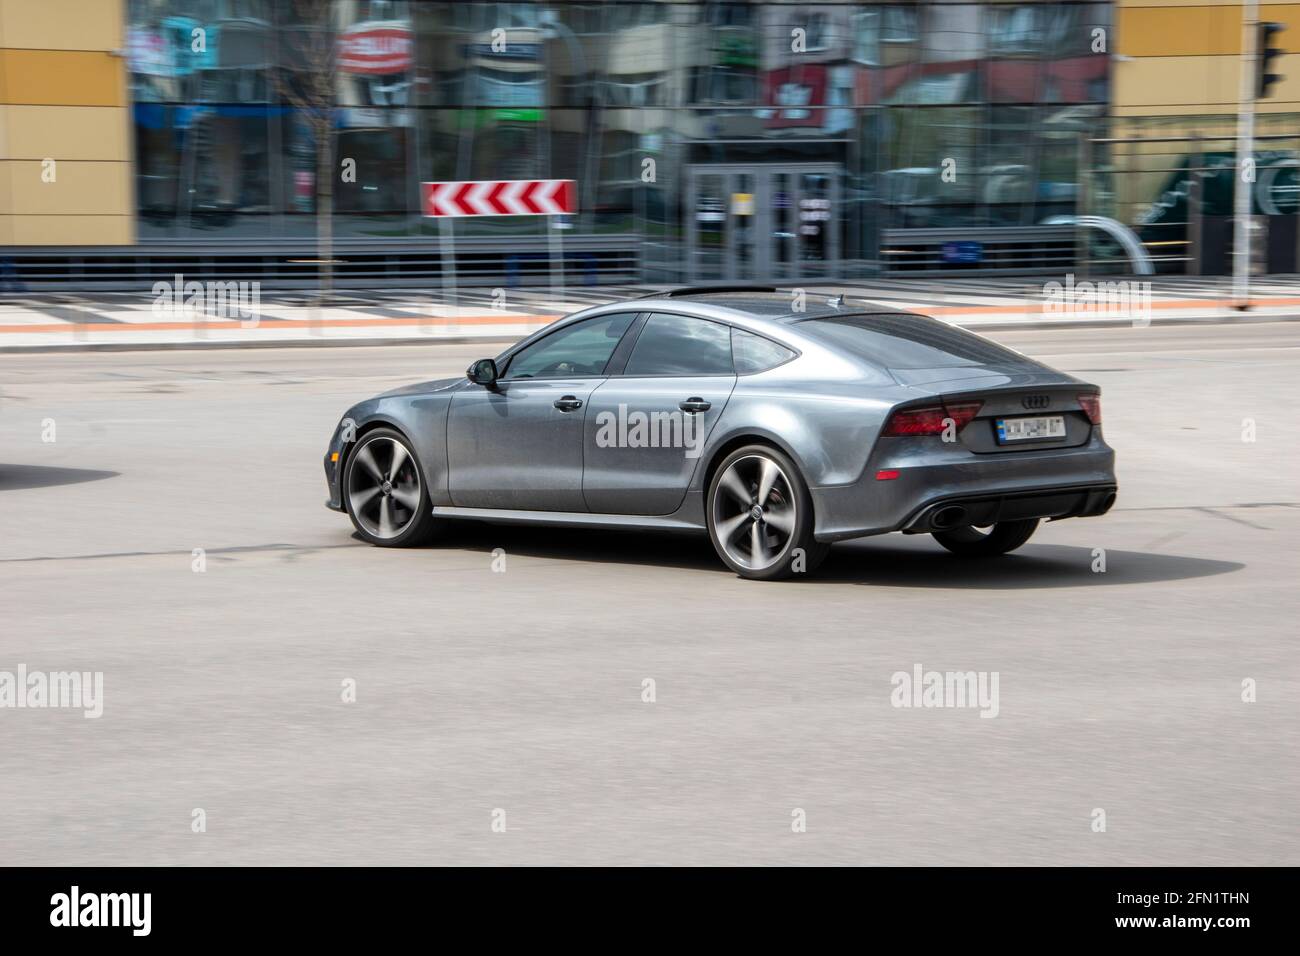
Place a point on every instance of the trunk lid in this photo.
(1000, 403)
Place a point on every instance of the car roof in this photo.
(773, 305)
(762, 310)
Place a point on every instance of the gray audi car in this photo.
(776, 422)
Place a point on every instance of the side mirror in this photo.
(483, 372)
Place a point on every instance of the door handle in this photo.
(695, 405)
(568, 403)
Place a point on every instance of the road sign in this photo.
(512, 197)
(964, 251)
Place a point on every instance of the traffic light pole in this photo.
(1241, 194)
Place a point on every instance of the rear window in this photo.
(907, 341)
(753, 353)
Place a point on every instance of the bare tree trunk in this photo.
(325, 207)
(311, 89)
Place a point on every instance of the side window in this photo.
(679, 345)
(579, 350)
(753, 353)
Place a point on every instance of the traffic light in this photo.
(1265, 55)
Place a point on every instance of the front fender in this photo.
(421, 417)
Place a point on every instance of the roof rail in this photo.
(702, 289)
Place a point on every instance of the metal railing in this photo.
(357, 263)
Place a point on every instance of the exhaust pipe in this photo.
(949, 517)
(1106, 503)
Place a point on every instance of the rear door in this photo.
(649, 421)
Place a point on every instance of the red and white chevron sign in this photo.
(508, 197)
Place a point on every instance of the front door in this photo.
(513, 447)
(518, 444)
(762, 223)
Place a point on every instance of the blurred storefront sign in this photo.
(509, 115)
(148, 52)
(963, 253)
(530, 52)
(793, 90)
(376, 48)
(373, 118)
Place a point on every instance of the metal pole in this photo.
(1195, 190)
(447, 253)
(1083, 199)
(1241, 193)
(555, 252)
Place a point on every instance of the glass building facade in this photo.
(727, 140)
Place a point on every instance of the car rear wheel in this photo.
(985, 542)
(384, 491)
(760, 515)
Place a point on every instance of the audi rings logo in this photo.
(1036, 401)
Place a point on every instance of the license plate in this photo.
(1029, 429)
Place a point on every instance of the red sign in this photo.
(501, 197)
(794, 91)
(376, 48)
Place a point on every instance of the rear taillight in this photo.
(1090, 402)
(930, 420)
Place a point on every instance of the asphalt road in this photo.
(521, 690)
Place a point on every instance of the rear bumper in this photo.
(980, 510)
(1051, 483)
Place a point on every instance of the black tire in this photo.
(388, 511)
(771, 550)
(973, 543)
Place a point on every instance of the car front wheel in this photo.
(760, 515)
(384, 492)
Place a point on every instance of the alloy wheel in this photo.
(384, 487)
(754, 512)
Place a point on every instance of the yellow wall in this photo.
(63, 98)
(1184, 58)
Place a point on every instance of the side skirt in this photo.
(570, 519)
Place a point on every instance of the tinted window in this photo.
(578, 350)
(678, 345)
(753, 353)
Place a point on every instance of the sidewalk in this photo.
(115, 320)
